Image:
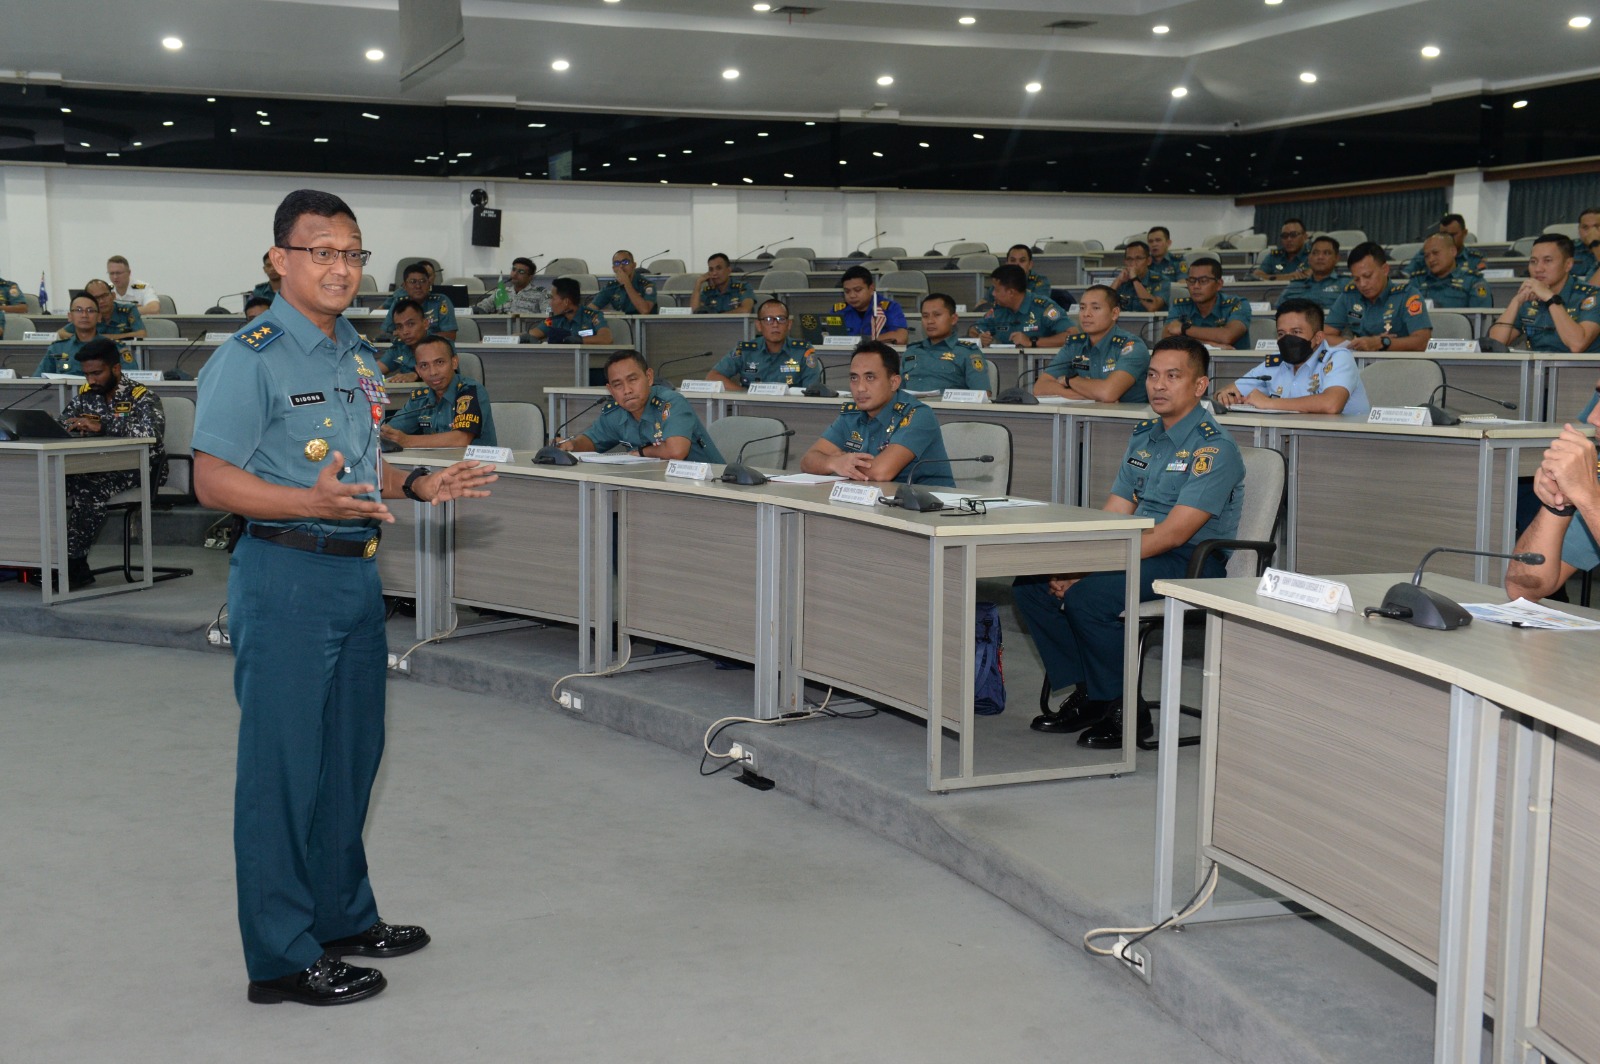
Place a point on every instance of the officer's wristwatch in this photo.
(1184, 327)
(1560, 511)
(1386, 341)
(410, 493)
(1554, 301)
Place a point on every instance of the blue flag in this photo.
(44, 296)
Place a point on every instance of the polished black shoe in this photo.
(380, 940)
(78, 573)
(1108, 734)
(1068, 704)
(330, 981)
(1088, 714)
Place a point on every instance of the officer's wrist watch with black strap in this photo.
(1388, 338)
(1555, 300)
(412, 478)
(1560, 511)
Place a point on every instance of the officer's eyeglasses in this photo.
(622, 262)
(970, 508)
(1290, 232)
(85, 310)
(328, 256)
(773, 319)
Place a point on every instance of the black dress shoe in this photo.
(1108, 735)
(380, 940)
(1088, 714)
(330, 981)
(1069, 704)
(78, 573)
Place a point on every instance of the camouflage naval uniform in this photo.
(131, 410)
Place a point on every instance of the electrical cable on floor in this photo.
(618, 667)
(1196, 902)
(216, 623)
(446, 634)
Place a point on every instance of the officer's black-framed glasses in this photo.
(774, 319)
(328, 256)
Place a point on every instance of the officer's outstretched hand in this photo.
(464, 480)
(334, 499)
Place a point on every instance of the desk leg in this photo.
(770, 578)
(435, 550)
(1480, 568)
(1062, 480)
(936, 666)
(1525, 860)
(1464, 894)
(1167, 755)
(1130, 656)
(597, 640)
(791, 689)
(580, 366)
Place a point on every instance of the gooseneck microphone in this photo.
(858, 253)
(550, 454)
(1415, 604)
(676, 361)
(1020, 395)
(911, 497)
(1438, 415)
(764, 247)
(820, 390)
(739, 473)
(176, 372)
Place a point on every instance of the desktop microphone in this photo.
(218, 308)
(739, 473)
(820, 390)
(858, 253)
(1417, 605)
(639, 263)
(550, 454)
(1038, 244)
(911, 497)
(935, 249)
(675, 361)
(176, 372)
(756, 251)
(1438, 415)
(27, 394)
(1017, 394)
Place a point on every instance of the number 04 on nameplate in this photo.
(1329, 596)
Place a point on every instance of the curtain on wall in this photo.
(1536, 202)
(1387, 217)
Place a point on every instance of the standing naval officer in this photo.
(286, 437)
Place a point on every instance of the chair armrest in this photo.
(1264, 549)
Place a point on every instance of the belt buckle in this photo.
(371, 548)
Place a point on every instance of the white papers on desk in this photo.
(1492, 419)
(1525, 614)
(63, 376)
(1246, 408)
(1061, 400)
(953, 499)
(613, 459)
(804, 478)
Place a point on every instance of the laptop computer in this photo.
(31, 425)
(455, 293)
(814, 327)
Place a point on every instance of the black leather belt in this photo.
(314, 544)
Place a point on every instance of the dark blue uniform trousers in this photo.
(310, 663)
(1079, 636)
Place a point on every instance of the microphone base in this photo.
(553, 455)
(176, 375)
(911, 497)
(743, 475)
(1429, 609)
(1018, 397)
(1438, 415)
(821, 391)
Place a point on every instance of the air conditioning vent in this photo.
(1069, 24)
(795, 10)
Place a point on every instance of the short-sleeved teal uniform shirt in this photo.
(1034, 318)
(62, 357)
(1038, 288)
(1467, 261)
(1276, 262)
(464, 407)
(1117, 349)
(1581, 304)
(1154, 283)
(795, 364)
(905, 420)
(439, 311)
(666, 413)
(400, 358)
(1193, 464)
(1458, 288)
(715, 302)
(1171, 266)
(613, 296)
(934, 365)
(572, 328)
(1398, 311)
(1324, 293)
(1224, 309)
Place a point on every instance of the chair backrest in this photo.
(789, 262)
(904, 281)
(661, 267)
(519, 426)
(1401, 381)
(888, 253)
(1523, 246)
(964, 438)
(560, 266)
(17, 324)
(1348, 238)
(473, 285)
(783, 281)
(796, 252)
(1215, 240)
(159, 328)
(400, 269)
(880, 265)
(167, 305)
(1449, 325)
(621, 329)
(1262, 328)
(978, 260)
(1067, 247)
(1263, 500)
(1566, 229)
(178, 441)
(1400, 253)
(1094, 245)
(467, 331)
(470, 365)
(994, 375)
(368, 283)
(1251, 242)
(732, 433)
(678, 283)
(960, 248)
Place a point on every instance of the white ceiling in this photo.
(1241, 60)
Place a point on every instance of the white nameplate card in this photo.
(8, 374)
(961, 308)
(218, 337)
(847, 340)
(1329, 596)
(858, 494)
(1266, 345)
(689, 470)
(500, 338)
(768, 388)
(63, 376)
(1428, 303)
(1506, 274)
(1260, 306)
(144, 376)
(965, 395)
(358, 312)
(1398, 415)
(483, 453)
(39, 336)
(674, 312)
(1458, 347)
(463, 312)
(689, 386)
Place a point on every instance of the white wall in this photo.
(195, 236)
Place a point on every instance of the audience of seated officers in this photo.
(454, 411)
(1099, 361)
(116, 321)
(1568, 512)
(1164, 262)
(133, 293)
(108, 404)
(1455, 227)
(1446, 284)
(865, 314)
(1018, 318)
(649, 419)
(1206, 313)
(1038, 285)
(1286, 262)
(1377, 313)
(256, 306)
(1184, 472)
(1308, 374)
(267, 289)
(1585, 252)
(524, 298)
(399, 362)
(717, 291)
(770, 358)
(1136, 285)
(435, 306)
(939, 360)
(569, 321)
(883, 430)
(83, 315)
(1324, 280)
(629, 291)
(1553, 310)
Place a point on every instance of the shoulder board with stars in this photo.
(848, 407)
(259, 337)
(1207, 429)
(1147, 424)
(901, 407)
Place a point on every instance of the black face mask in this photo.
(1294, 349)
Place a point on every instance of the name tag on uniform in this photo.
(1453, 346)
(1329, 596)
(1397, 415)
(768, 388)
(855, 494)
(585, 332)
(964, 395)
(690, 385)
(307, 399)
(689, 470)
(38, 337)
(484, 453)
(500, 338)
(144, 376)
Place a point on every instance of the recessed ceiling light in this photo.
(1274, 3)
(463, 155)
(661, 155)
(603, 165)
(1032, 86)
(113, 155)
(966, 20)
(140, 143)
(452, 162)
(842, 162)
(261, 114)
(790, 176)
(688, 151)
(1308, 77)
(66, 110)
(761, 7)
(922, 144)
(560, 64)
(172, 44)
(83, 144)
(885, 80)
(877, 155)
(535, 125)
(211, 99)
(369, 114)
(1430, 51)
(633, 158)
(1579, 22)
(748, 181)
(730, 73)
(1179, 93)
(613, 1)
(1519, 105)
(977, 136)
(168, 122)
(319, 140)
(810, 123)
(374, 54)
(1161, 29)
(263, 122)
(763, 134)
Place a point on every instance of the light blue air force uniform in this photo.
(1328, 367)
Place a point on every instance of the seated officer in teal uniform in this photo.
(938, 360)
(1038, 283)
(1445, 283)
(1286, 262)
(1324, 281)
(1585, 265)
(1206, 313)
(1377, 313)
(1136, 286)
(1100, 361)
(629, 291)
(267, 289)
(117, 321)
(717, 291)
(1308, 374)
(1561, 530)
(570, 322)
(1184, 472)
(649, 419)
(1553, 310)
(1164, 262)
(1018, 318)
(773, 358)
(256, 306)
(62, 355)
(453, 412)
(867, 314)
(1455, 227)
(883, 431)
(11, 297)
(399, 363)
(435, 307)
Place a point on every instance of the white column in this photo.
(25, 231)
(1484, 204)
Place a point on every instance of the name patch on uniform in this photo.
(307, 399)
(1139, 462)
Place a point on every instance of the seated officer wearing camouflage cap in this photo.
(774, 358)
(1445, 283)
(399, 363)
(62, 355)
(1309, 375)
(629, 291)
(418, 286)
(453, 412)
(1186, 473)
(1018, 318)
(1100, 361)
(1206, 313)
(569, 322)
(108, 404)
(1554, 310)
(649, 419)
(883, 430)
(938, 360)
(1380, 314)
